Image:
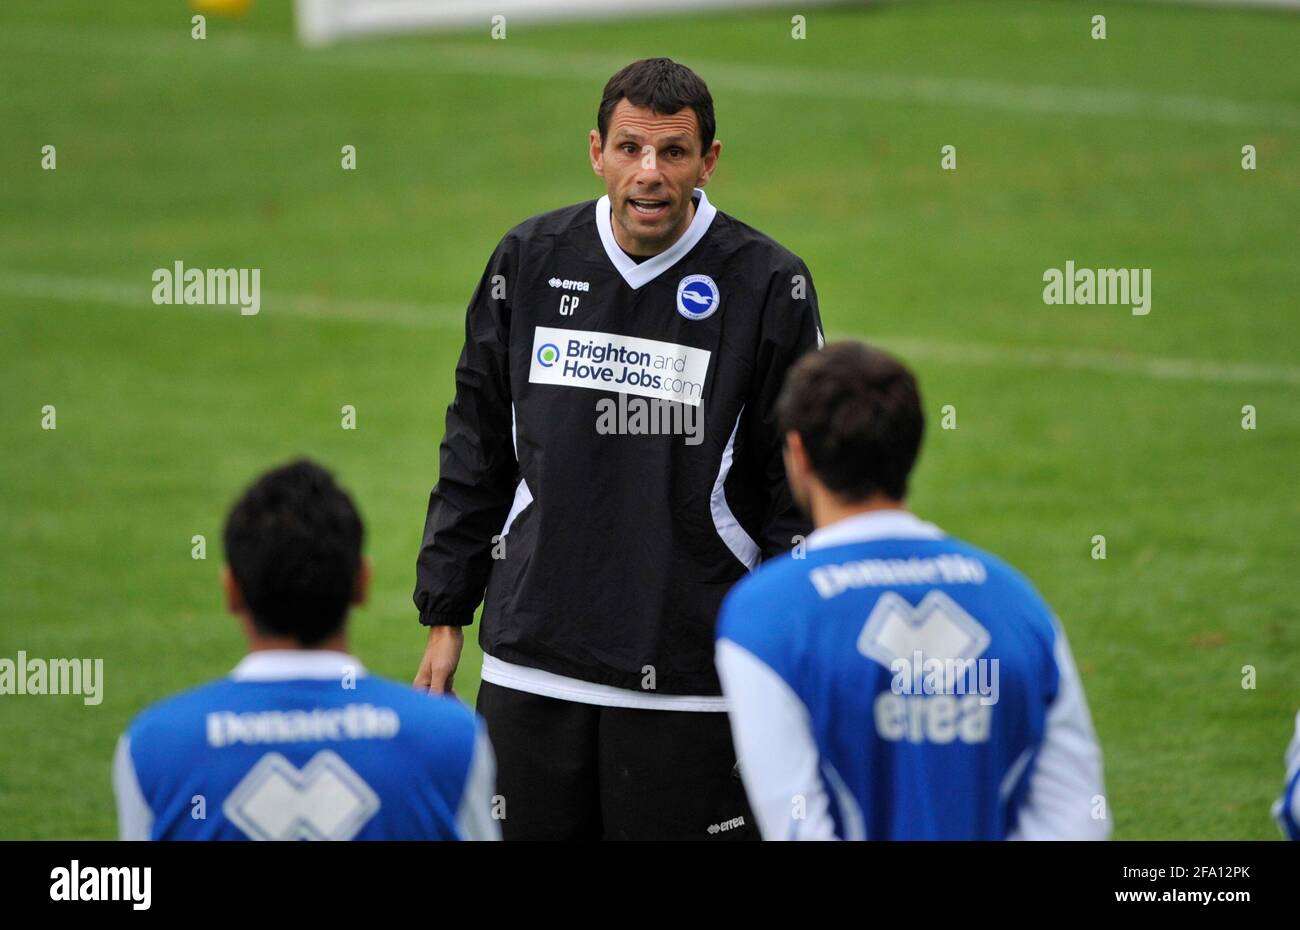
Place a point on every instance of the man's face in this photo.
(651, 163)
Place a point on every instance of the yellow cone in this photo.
(221, 7)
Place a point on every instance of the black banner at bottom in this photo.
(373, 880)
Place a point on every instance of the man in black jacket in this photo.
(611, 466)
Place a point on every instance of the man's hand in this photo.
(441, 656)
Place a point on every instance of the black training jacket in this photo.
(606, 548)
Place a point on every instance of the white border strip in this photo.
(740, 543)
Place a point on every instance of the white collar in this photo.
(637, 275)
(874, 524)
(296, 664)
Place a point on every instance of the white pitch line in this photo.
(449, 317)
(304, 306)
(812, 83)
(1159, 368)
(506, 61)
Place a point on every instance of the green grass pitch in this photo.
(1072, 421)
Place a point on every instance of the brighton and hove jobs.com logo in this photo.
(621, 364)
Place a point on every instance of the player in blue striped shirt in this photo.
(1286, 810)
(299, 742)
(886, 681)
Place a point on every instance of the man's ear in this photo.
(234, 597)
(710, 163)
(596, 152)
(796, 456)
(361, 587)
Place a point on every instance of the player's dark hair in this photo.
(293, 543)
(858, 412)
(663, 86)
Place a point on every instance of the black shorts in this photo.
(570, 771)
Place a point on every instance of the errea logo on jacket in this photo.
(569, 285)
(625, 364)
(942, 690)
(325, 800)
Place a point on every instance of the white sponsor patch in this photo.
(622, 364)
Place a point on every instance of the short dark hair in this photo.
(665, 87)
(858, 412)
(293, 542)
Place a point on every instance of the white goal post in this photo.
(323, 21)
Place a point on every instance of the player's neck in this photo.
(641, 249)
(262, 643)
(828, 509)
